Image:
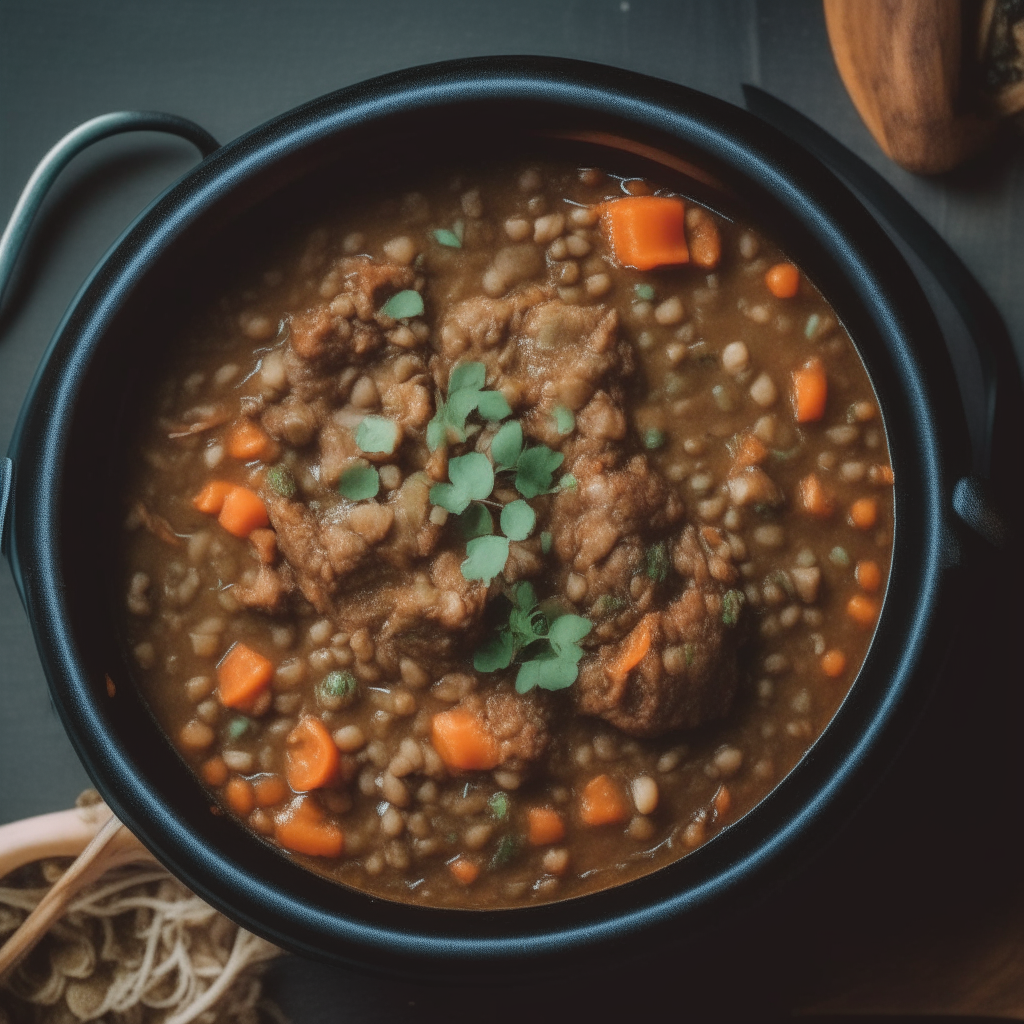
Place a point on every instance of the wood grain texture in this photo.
(900, 61)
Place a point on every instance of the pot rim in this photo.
(351, 926)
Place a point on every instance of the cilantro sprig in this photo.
(548, 648)
(465, 395)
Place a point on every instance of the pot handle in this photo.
(67, 149)
(42, 179)
(996, 465)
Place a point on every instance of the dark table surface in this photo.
(912, 856)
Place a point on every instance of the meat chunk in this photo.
(519, 723)
(688, 672)
(264, 589)
(606, 505)
(321, 552)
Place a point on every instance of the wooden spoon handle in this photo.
(62, 834)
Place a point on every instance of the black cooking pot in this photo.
(66, 456)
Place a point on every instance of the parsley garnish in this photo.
(403, 305)
(359, 482)
(377, 434)
(465, 394)
(657, 561)
(554, 644)
(472, 477)
(732, 604)
(485, 558)
(280, 479)
(445, 237)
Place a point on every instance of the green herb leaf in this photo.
(464, 395)
(403, 305)
(535, 470)
(485, 558)
(568, 482)
(566, 632)
(473, 474)
(493, 406)
(688, 653)
(445, 237)
(732, 605)
(608, 604)
(467, 377)
(545, 542)
(476, 521)
(436, 433)
(359, 482)
(377, 434)
(838, 556)
(498, 805)
(507, 445)
(280, 479)
(653, 439)
(657, 561)
(238, 727)
(549, 673)
(517, 520)
(496, 653)
(508, 847)
(811, 327)
(644, 292)
(450, 497)
(565, 421)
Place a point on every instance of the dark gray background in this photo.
(230, 65)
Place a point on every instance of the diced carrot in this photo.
(863, 610)
(302, 829)
(783, 280)
(214, 771)
(869, 576)
(239, 796)
(645, 231)
(464, 870)
(602, 802)
(544, 825)
(265, 542)
(833, 663)
(462, 740)
(248, 440)
(311, 757)
(242, 676)
(814, 499)
(705, 243)
(269, 790)
(722, 801)
(750, 451)
(242, 512)
(810, 391)
(633, 649)
(211, 498)
(864, 513)
(880, 475)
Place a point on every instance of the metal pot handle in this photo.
(42, 179)
(974, 497)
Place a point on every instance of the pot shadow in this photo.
(916, 904)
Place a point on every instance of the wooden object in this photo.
(901, 63)
(93, 835)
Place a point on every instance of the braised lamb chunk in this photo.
(688, 672)
(519, 723)
(588, 520)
